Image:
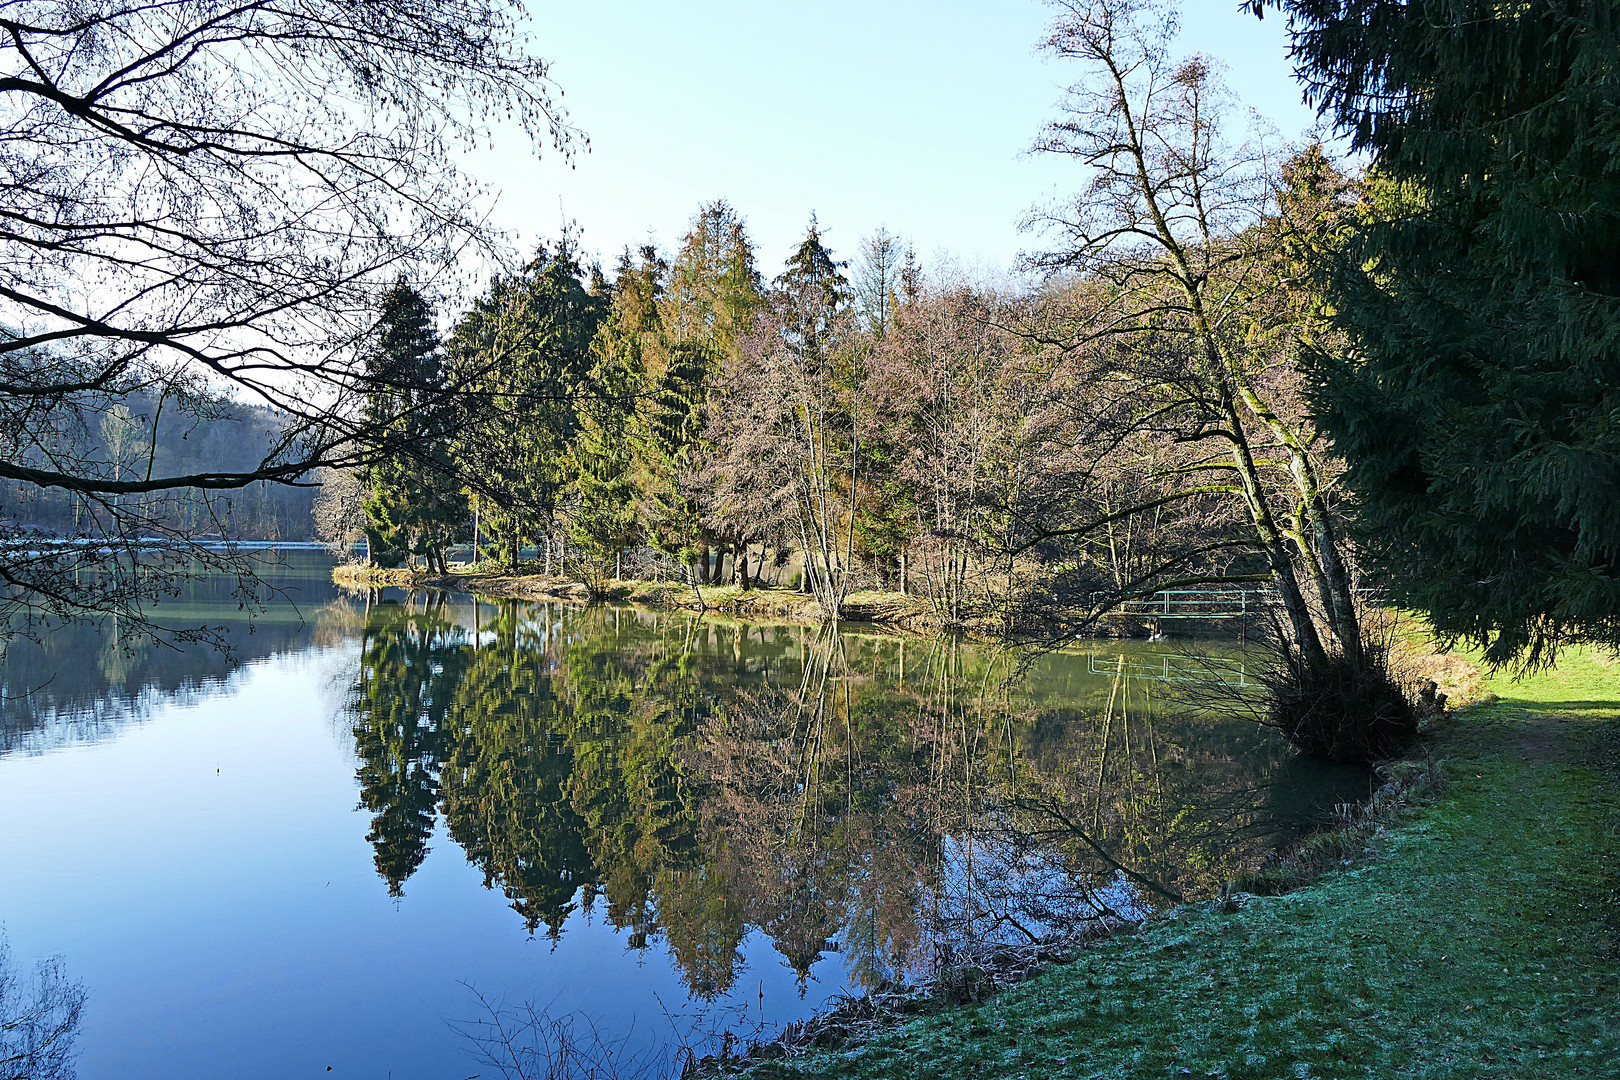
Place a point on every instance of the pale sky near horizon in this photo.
(912, 114)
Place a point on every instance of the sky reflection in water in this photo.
(295, 859)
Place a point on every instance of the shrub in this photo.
(1350, 710)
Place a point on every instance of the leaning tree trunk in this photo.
(1280, 564)
(1318, 544)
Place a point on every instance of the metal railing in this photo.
(1205, 603)
(1194, 603)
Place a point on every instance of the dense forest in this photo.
(683, 415)
(1205, 378)
(1131, 416)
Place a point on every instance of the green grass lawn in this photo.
(1481, 939)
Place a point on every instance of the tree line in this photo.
(1240, 365)
(682, 406)
(1133, 419)
(149, 433)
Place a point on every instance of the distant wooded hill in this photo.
(234, 437)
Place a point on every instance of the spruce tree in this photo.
(604, 520)
(413, 501)
(813, 289)
(1480, 286)
(521, 356)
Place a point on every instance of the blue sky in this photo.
(905, 113)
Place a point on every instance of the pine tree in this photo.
(521, 356)
(1480, 285)
(711, 296)
(413, 501)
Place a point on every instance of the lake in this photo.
(383, 822)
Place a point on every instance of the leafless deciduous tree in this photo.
(206, 199)
(1177, 277)
(340, 510)
(1182, 330)
(962, 411)
(39, 1021)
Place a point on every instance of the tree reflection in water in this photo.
(879, 796)
(85, 680)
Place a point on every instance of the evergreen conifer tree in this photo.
(413, 502)
(604, 521)
(813, 290)
(711, 295)
(1479, 408)
(522, 354)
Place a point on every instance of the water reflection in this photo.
(687, 781)
(82, 681)
(875, 796)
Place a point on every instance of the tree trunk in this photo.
(1271, 543)
(1319, 547)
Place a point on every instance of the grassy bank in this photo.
(764, 603)
(1479, 938)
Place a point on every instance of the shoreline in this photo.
(891, 609)
(1385, 874)
(1464, 922)
(982, 973)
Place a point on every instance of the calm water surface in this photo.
(312, 857)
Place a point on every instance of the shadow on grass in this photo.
(1530, 705)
